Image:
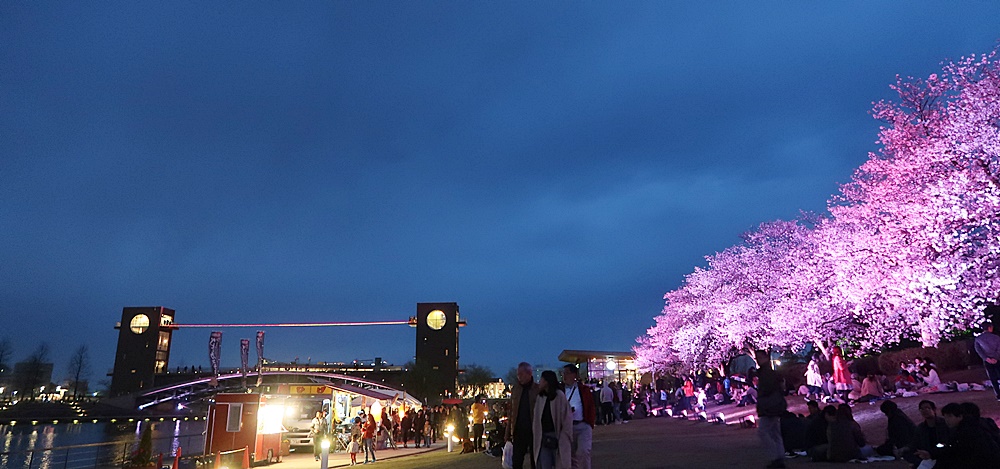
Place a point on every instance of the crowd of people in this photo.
(552, 421)
(919, 376)
(958, 437)
(422, 427)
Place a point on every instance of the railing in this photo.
(99, 455)
(234, 458)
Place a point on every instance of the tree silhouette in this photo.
(79, 369)
(6, 352)
(475, 378)
(30, 375)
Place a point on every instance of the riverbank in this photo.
(47, 412)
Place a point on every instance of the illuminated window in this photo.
(166, 320)
(139, 324)
(164, 342)
(436, 319)
(161, 366)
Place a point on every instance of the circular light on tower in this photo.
(139, 324)
(610, 365)
(436, 319)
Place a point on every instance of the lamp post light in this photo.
(450, 435)
(324, 458)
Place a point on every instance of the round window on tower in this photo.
(139, 324)
(436, 319)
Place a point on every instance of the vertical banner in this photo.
(260, 357)
(214, 350)
(244, 358)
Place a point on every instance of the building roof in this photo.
(580, 356)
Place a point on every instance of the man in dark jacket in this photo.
(969, 446)
(988, 348)
(930, 433)
(900, 429)
(793, 432)
(771, 406)
(522, 401)
(406, 426)
(815, 426)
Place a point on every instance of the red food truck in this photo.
(245, 429)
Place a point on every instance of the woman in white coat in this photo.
(552, 425)
(814, 380)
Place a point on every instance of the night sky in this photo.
(552, 167)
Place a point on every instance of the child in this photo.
(354, 448)
(427, 433)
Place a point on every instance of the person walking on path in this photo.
(317, 430)
(405, 425)
(607, 404)
(387, 423)
(771, 406)
(552, 425)
(988, 348)
(519, 423)
(581, 405)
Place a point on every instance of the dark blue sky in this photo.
(553, 167)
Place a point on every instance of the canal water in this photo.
(23, 443)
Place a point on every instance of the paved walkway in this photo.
(303, 458)
(665, 443)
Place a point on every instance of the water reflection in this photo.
(18, 441)
(175, 442)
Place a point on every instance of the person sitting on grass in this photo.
(969, 445)
(794, 433)
(841, 445)
(932, 381)
(815, 426)
(900, 430)
(871, 389)
(905, 381)
(989, 425)
(845, 413)
(930, 433)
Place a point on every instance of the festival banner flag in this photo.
(244, 359)
(260, 357)
(214, 351)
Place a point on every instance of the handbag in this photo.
(507, 462)
(550, 442)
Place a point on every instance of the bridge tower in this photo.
(437, 343)
(143, 351)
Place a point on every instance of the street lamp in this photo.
(449, 434)
(324, 461)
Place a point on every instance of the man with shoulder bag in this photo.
(581, 403)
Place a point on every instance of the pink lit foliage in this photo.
(910, 249)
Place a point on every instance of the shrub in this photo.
(143, 456)
(947, 356)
